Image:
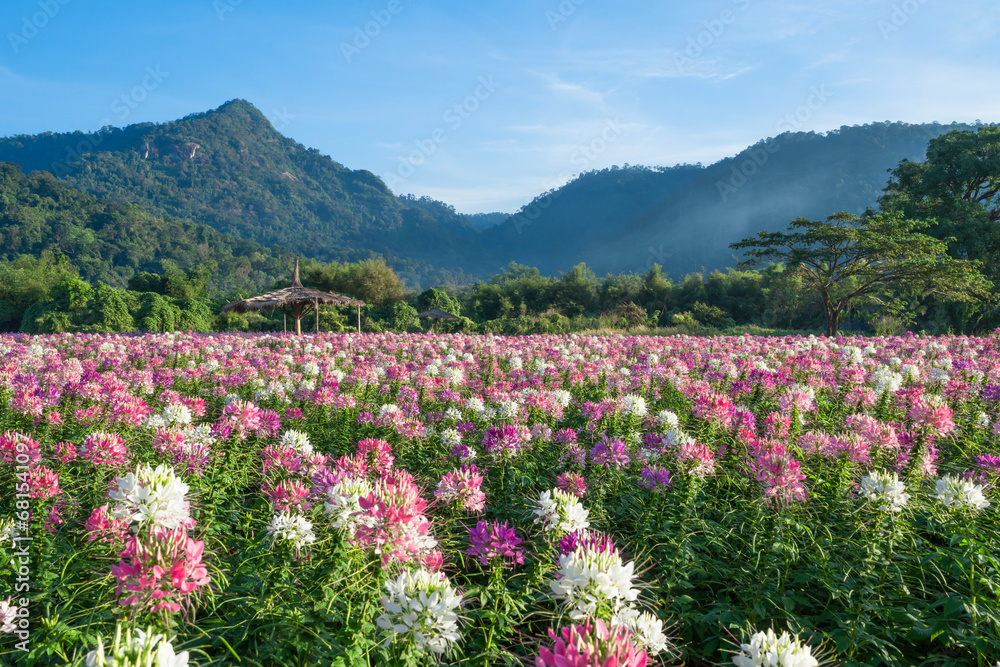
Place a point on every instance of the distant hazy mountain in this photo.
(231, 170)
(684, 218)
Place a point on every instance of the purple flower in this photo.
(504, 440)
(656, 478)
(610, 451)
(595, 540)
(495, 540)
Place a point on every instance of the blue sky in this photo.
(485, 105)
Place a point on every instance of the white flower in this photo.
(768, 650)
(450, 437)
(453, 375)
(297, 440)
(647, 632)
(141, 650)
(154, 496)
(885, 487)
(594, 583)
(668, 418)
(560, 512)
(561, 396)
(177, 413)
(515, 362)
(343, 506)
(8, 616)
(634, 406)
(292, 528)
(507, 409)
(420, 608)
(885, 380)
(956, 492)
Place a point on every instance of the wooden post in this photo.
(359, 319)
(317, 314)
(297, 314)
(284, 322)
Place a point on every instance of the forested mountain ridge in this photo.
(230, 169)
(111, 242)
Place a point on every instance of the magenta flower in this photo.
(505, 440)
(573, 483)
(497, 542)
(610, 453)
(593, 540)
(591, 644)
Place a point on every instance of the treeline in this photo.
(47, 295)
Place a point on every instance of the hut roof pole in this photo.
(359, 319)
(316, 306)
(297, 314)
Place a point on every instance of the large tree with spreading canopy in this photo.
(848, 258)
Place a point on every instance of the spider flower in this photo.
(560, 513)
(955, 492)
(420, 611)
(765, 649)
(591, 643)
(885, 488)
(143, 649)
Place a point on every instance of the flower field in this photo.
(548, 500)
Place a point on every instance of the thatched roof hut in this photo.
(436, 314)
(295, 301)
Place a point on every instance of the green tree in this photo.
(847, 258)
(959, 186)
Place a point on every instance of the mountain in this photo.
(231, 170)
(112, 242)
(684, 218)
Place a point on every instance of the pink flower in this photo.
(14, 444)
(43, 482)
(104, 449)
(104, 527)
(462, 487)
(160, 571)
